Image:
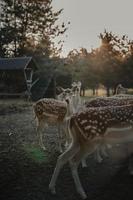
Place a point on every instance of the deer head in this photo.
(76, 86)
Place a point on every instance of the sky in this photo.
(89, 18)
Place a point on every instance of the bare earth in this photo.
(25, 170)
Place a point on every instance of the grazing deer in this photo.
(88, 129)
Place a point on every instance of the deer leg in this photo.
(104, 151)
(98, 155)
(40, 136)
(60, 137)
(101, 152)
(82, 153)
(63, 158)
(74, 163)
(66, 133)
(84, 164)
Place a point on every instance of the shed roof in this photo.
(17, 63)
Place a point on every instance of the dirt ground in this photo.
(25, 170)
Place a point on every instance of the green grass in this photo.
(36, 154)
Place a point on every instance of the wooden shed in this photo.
(16, 75)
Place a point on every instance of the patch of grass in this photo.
(36, 154)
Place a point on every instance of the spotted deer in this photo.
(89, 128)
(109, 101)
(52, 112)
(103, 102)
(74, 92)
(55, 112)
(129, 96)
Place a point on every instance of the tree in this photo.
(102, 65)
(127, 67)
(29, 28)
(80, 65)
(109, 57)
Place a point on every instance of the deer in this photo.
(121, 96)
(108, 101)
(89, 128)
(50, 111)
(76, 89)
(121, 90)
(76, 101)
(74, 92)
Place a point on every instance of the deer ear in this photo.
(79, 84)
(59, 90)
(73, 84)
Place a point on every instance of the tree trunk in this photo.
(82, 92)
(114, 90)
(108, 91)
(97, 91)
(93, 91)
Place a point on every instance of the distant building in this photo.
(16, 75)
(20, 76)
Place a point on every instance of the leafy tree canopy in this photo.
(29, 28)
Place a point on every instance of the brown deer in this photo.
(109, 101)
(89, 128)
(52, 112)
(55, 111)
(103, 102)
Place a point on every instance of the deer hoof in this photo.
(43, 148)
(83, 195)
(52, 190)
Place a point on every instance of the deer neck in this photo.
(76, 102)
(70, 109)
(79, 98)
